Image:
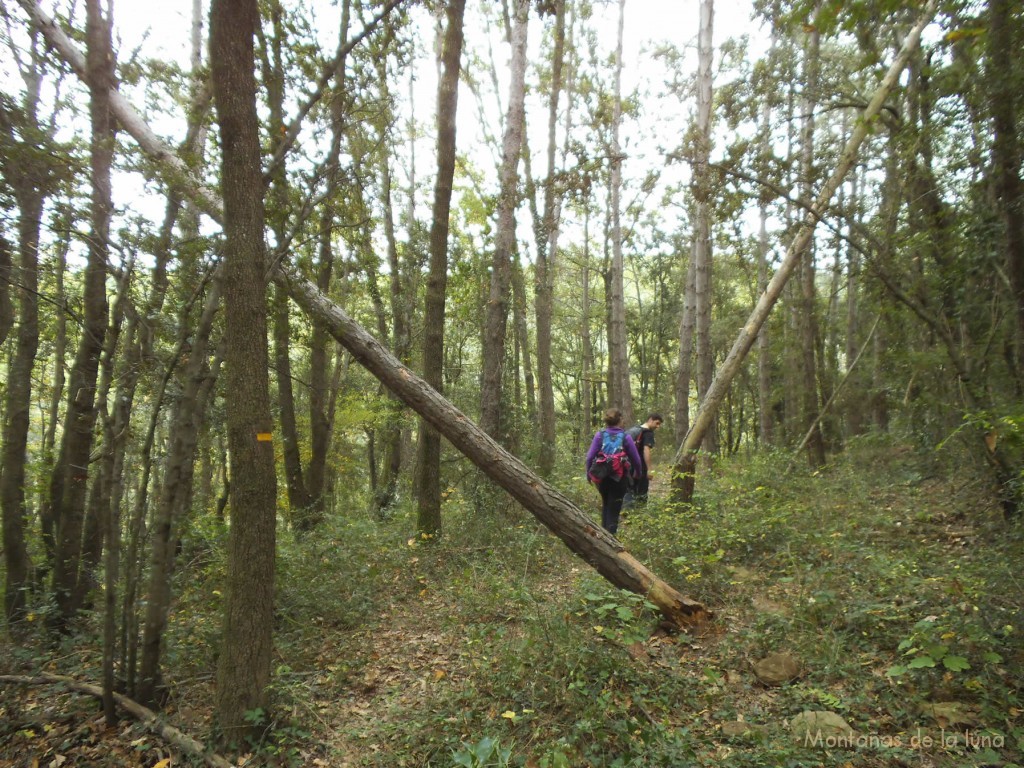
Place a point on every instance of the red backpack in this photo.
(611, 459)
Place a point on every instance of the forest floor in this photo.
(867, 614)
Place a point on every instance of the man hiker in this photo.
(643, 435)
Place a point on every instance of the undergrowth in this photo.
(891, 581)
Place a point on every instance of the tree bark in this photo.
(547, 243)
(428, 464)
(30, 195)
(702, 258)
(807, 317)
(618, 352)
(856, 414)
(71, 472)
(587, 422)
(175, 495)
(98, 501)
(394, 453)
(766, 416)
(522, 334)
(683, 483)
(6, 281)
(496, 319)
(244, 666)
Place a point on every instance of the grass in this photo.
(894, 583)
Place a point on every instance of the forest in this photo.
(310, 312)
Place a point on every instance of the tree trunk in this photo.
(98, 501)
(587, 422)
(703, 291)
(175, 495)
(856, 414)
(547, 242)
(119, 422)
(60, 345)
(428, 464)
(70, 475)
(30, 197)
(683, 483)
(400, 322)
(6, 281)
(807, 322)
(320, 418)
(519, 310)
(618, 353)
(244, 666)
(496, 319)
(766, 415)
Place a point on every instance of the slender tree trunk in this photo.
(683, 482)
(7, 279)
(118, 427)
(183, 215)
(321, 423)
(98, 501)
(618, 352)
(176, 491)
(394, 454)
(60, 345)
(519, 310)
(496, 319)
(244, 666)
(428, 464)
(299, 500)
(855, 415)
(808, 323)
(32, 182)
(18, 396)
(684, 371)
(586, 424)
(703, 285)
(319, 390)
(547, 243)
(766, 414)
(69, 481)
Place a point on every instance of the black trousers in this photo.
(612, 493)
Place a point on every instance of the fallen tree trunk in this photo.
(567, 521)
(177, 739)
(552, 508)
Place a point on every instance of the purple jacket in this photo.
(628, 444)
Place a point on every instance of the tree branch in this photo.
(147, 717)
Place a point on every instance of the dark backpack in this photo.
(611, 459)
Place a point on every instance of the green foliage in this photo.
(619, 613)
(948, 644)
(486, 753)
